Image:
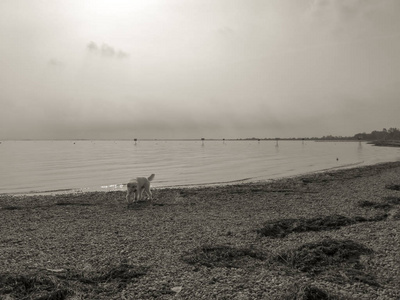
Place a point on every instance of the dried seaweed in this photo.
(330, 257)
(281, 228)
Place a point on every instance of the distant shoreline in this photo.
(381, 143)
(385, 143)
(189, 140)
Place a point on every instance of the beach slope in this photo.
(332, 235)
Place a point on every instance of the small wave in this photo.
(46, 192)
(343, 166)
(207, 184)
(114, 186)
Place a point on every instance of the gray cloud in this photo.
(92, 47)
(106, 50)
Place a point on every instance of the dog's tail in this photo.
(151, 177)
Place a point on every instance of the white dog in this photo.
(138, 186)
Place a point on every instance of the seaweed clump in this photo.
(281, 228)
(61, 284)
(33, 286)
(339, 259)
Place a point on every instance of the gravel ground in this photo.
(91, 246)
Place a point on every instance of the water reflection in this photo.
(360, 150)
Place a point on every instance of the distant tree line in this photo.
(390, 134)
(385, 134)
(333, 137)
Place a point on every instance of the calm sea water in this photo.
(28, 167)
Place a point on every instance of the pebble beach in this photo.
(238, 241)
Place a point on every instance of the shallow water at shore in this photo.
(63, 166)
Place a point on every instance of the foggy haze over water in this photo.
(122, 69)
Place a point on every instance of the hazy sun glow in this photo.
(113, 69)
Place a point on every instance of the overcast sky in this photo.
(198, 68)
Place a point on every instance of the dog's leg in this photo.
(148, 192)
(128, 195)
(136, 195)
(142, 190)
(139, 193)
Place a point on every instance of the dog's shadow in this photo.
(139, 205)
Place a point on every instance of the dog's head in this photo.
(132, 186)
